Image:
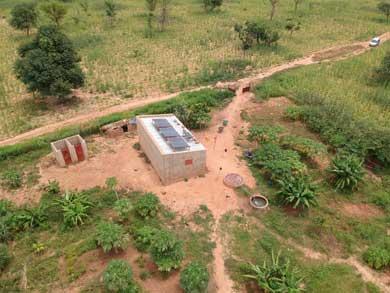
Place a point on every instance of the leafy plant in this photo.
(384, 7)
(147, 206)
(306, 147)
(194, 278)
(251, 32)
(293, 113)
(38, 247)
(75, 208)
(24, 16)
(278, 163)
(382, 73)
(55, 11)
(6, 207)
(143, 237)
(210, 5)
(346, 171)
(118, 277)
(53, 187)
(111, 10)
(11, 179)
(276, 276)
(123, 207)
(29, 218)
(111, 236)
(265, 133)
(5, 257)
(296, 191)
(378, 256)
(111, 184)
(166, 251)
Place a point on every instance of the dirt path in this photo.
(353, 50)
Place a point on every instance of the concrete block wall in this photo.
(68, 144)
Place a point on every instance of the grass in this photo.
(120, 60)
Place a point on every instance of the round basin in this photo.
(259, 202)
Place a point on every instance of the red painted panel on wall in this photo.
(188, 162)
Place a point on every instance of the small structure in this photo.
(70, 150)
(258, 202)
(118, 128)
(173, 151)
(233, 180)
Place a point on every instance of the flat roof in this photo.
(177, 136)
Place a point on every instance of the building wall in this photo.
(175, 166)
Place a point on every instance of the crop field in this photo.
(120, 61)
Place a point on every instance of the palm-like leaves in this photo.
(347, 171)
(75, 207)
(298, 192)
(276, 277)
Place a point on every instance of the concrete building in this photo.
(173, 151)
(70, 150)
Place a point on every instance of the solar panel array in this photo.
(170, 135)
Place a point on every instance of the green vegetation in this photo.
(166, 251)
(378, 256)
(24, 17)
(118, 277)
(382, 73)
(147, 206)
(264, 133)
(259, 32)
(5, 257)
(194, 278)
(49, 64)
(75, 207)
(306, 147)
(11, 179)
(298, 192)
(143, 237)
(123, 207)
(111, 237)
(276, 276)
(347, 172)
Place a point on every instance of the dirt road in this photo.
(334, 53)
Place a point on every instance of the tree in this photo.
(210, 5)
(24, 17)
(49, 64)
(150, 7)
(111, 236)
(384, 7)
(296, 4)
(256, 31)
(55, 11)
(292, 26)
(163, 19)
(273, 3)
(111, 10)
(166, 251)
(118, 277)
(382, 73)
(194, 278)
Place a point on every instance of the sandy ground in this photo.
(353, 50)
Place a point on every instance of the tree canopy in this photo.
(49, 64)
(24, 16)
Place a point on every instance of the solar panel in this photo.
(178, 143)
(168, 132)
(161, 123)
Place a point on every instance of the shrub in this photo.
(266, 133)
(118, 277)
(308, 148)
(147, 206)
(194, 278)
(111, 236)
(251, 32)
(166, 251)
(5, 257)
(11, 179)
(298, 192)
(75, 207)
(378, 257)
(123, 207)
(5, 233)
(143, 237)
(24, 16)
(293, 113)
(277, 276)
(346, 171)
(382, 74)
(29, 218)
(278, 163)
(210, 5)
(6, 207)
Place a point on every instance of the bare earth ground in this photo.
(334, 53)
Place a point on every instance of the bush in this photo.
(266, 133)
(210, 5)
(143, 237)
(277, 276)
(26, 218)
(11, 179)
(382, 74)
(278, 163)
(5, 257)
(346, 171)
(194, 278)
(24, 16)
(118, 277)
(293, 113)
(52, 188)
(6, 207)
(259, 32)
(308, 148)
(378, 257)
(123, 207)
(147, 206)
(166, 251)
(75, 208)
(111, 236)
(298, 192)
